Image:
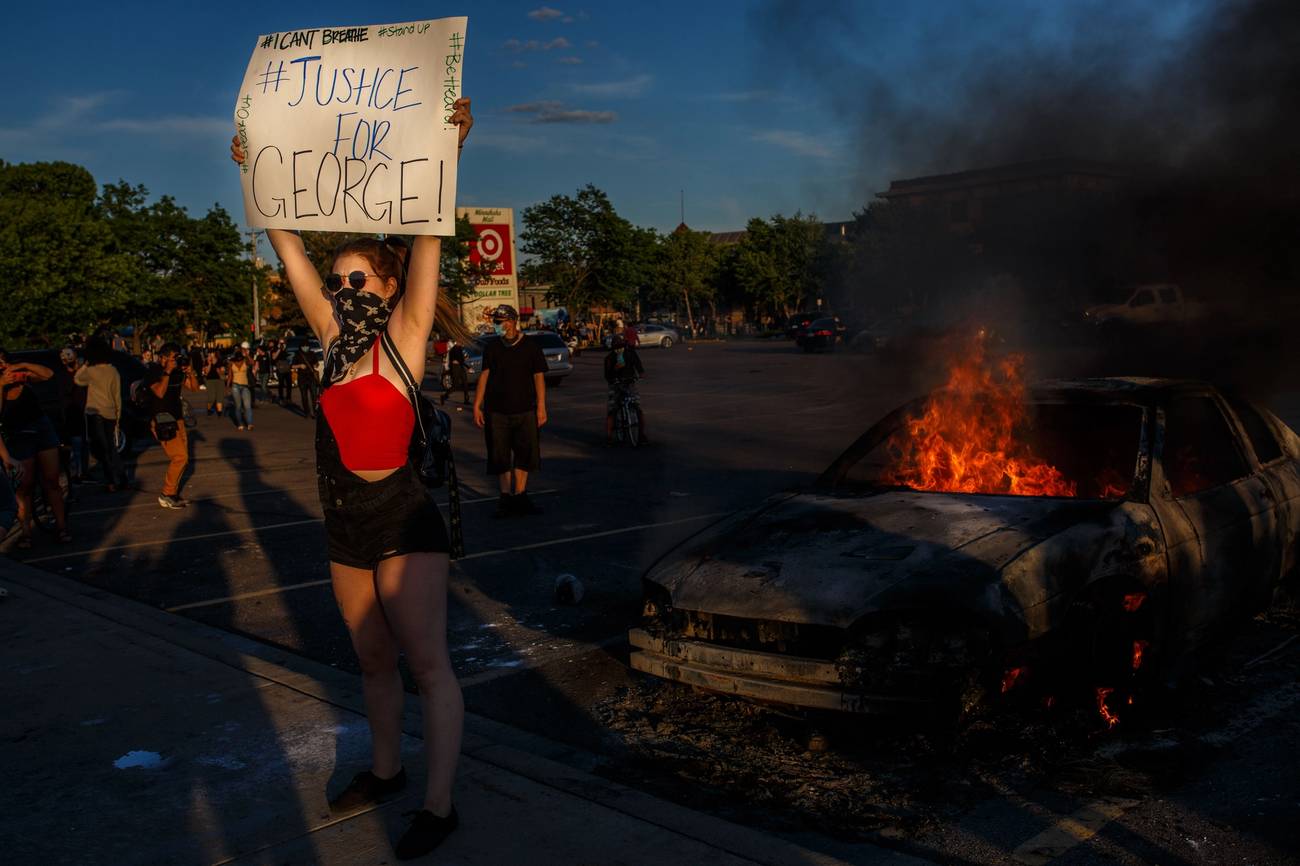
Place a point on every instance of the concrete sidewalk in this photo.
(135, 736)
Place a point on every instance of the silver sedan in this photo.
(657, 335)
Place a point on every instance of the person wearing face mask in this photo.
(387, 545)
(622, 369)
(510, 407)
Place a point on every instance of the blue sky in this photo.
(642, 100)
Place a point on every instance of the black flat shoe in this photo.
(426, 832)
(367, 789)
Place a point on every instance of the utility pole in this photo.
(252, 258)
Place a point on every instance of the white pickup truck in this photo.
(1150, 304)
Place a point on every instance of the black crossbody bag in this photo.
(431, 446)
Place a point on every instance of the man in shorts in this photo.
(510, 406)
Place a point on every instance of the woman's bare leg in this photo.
(26, 486)
(47, 463)
(413, 588)
(354, 590)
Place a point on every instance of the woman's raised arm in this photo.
(415, 311)
(303, 278)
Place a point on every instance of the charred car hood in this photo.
(824, 559)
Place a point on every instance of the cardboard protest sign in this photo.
(347, 129)
(494, 243)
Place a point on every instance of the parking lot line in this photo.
(228, 532)
(153, 502)
(259, 593)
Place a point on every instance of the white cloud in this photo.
(77, 116)
(795, 142)
(569, 61)
(518, 46)
(744, 96)
(545, 13)
(629, 87)
(557, 112)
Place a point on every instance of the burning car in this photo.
(985, 533)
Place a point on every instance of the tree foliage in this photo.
(586, 252)
(780, 263)
(113, 258)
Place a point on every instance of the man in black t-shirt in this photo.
(167, 419)
(510, 406)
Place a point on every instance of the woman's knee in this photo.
(374, 657)
(432, 673)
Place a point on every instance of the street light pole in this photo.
(252, 257)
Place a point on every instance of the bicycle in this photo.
(627, 416)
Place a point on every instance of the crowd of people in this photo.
(56, 418)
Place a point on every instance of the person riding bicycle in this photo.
(622, 369)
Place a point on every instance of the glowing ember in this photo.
(1139, 647)
(1010, 679)
(964, 440)
(1111, 719)
(1133, 600)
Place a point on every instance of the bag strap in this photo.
(453, 485)
(404, 373)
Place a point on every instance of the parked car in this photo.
(558, 362)
(819, 334)
(657, 335)
(866, 595)
(800, 321)
(1147, 305)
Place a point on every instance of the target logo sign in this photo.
(493, 245)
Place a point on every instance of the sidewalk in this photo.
(135, 736)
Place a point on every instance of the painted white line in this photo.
(229, 532)
(1069, 831)
(153, 500)
(310, 583)
(139, 544)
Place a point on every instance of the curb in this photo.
(497, 744)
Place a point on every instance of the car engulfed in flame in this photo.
(867, 595)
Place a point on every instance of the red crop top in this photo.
(372, 420)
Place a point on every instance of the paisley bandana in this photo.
(362, 318)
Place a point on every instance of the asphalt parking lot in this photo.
(730, 424)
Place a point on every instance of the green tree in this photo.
(689, 272)
(68, 275)
(186, 275)
(781, 263)
(587, 253)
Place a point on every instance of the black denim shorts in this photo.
(369, 521)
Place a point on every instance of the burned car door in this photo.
(1280, 471)
(1233, 539)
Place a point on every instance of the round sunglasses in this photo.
(356, 279)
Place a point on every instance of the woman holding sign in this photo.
(387, 543)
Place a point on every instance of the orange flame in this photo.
(1110, 718)
(1139, 647)
(964, 440)
(1133, 600)
(1010, 678)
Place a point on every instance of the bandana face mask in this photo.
(362, 317)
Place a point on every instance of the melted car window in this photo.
(1092, 450)
(1200, 451)
(1266, 448)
